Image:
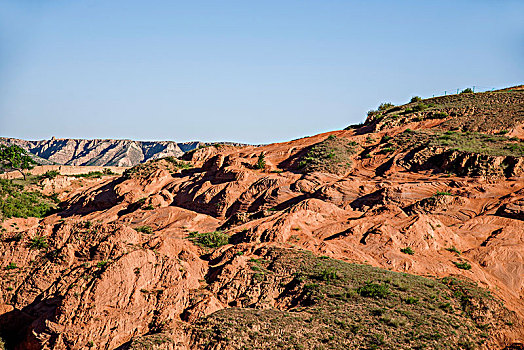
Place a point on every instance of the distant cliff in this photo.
(101, 152)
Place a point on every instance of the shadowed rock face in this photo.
(306, 258)
(102, 152)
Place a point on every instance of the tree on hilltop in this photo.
(14, 157)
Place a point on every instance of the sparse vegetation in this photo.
(467, 91)
(144, 229)
(407, 250)
(261, 162)
(415, 99)
(362, 308)
(469, 142)
(213, 239)
(454, 250)
(90, 175)
(385, 106)
(463, 265)
(102, 264)
(11, 266)
(50, 174)
(442, 193)
(15, 202)
(144, 170)
(37, 243)
(331, 155)
(374, 290)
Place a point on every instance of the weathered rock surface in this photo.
(135, 262)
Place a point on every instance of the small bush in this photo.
(442, 193)
(374, 290)
(438, 115)
(37, 242)
(420, 107)
(411, 300)
(463, 265)
(144, 229)
(261, 162)
(102, 264)
(467, 91)
(407, 250)
(454, 250)
(385, 106)
(50, 174)
(213, 239)
(415, 99)
(11, 266)
(329, 274)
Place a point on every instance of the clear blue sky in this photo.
(248, 71)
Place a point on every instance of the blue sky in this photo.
(247, 71)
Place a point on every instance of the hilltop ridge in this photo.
(101, 152)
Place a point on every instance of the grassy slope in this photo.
(331, 155)
(488, 112)
(470, 142)
(15, 201)
(337, 305)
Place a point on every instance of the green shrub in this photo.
(261, 162)
(411, 300)
(454, 250)
(374, 290)
(407, 250)
(37, 243)
(102, 264)
(213, 239)
(467, 91)
(415, 99)
(178, 163)
(385, 106)
(50, 174)
(144, 229)
(329, 274)
(386, 150)
(420, 107)
(463, 265)
(15, 202)
(438, 115)
(442, 193)
(11, 266)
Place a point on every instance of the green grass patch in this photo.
(331, 155)
(362, 308)
(144, 229)
(212, 239)
(463, 265)
(37, 243)
(407, 250)
(18, 203)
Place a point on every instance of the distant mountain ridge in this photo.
(101, 152)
